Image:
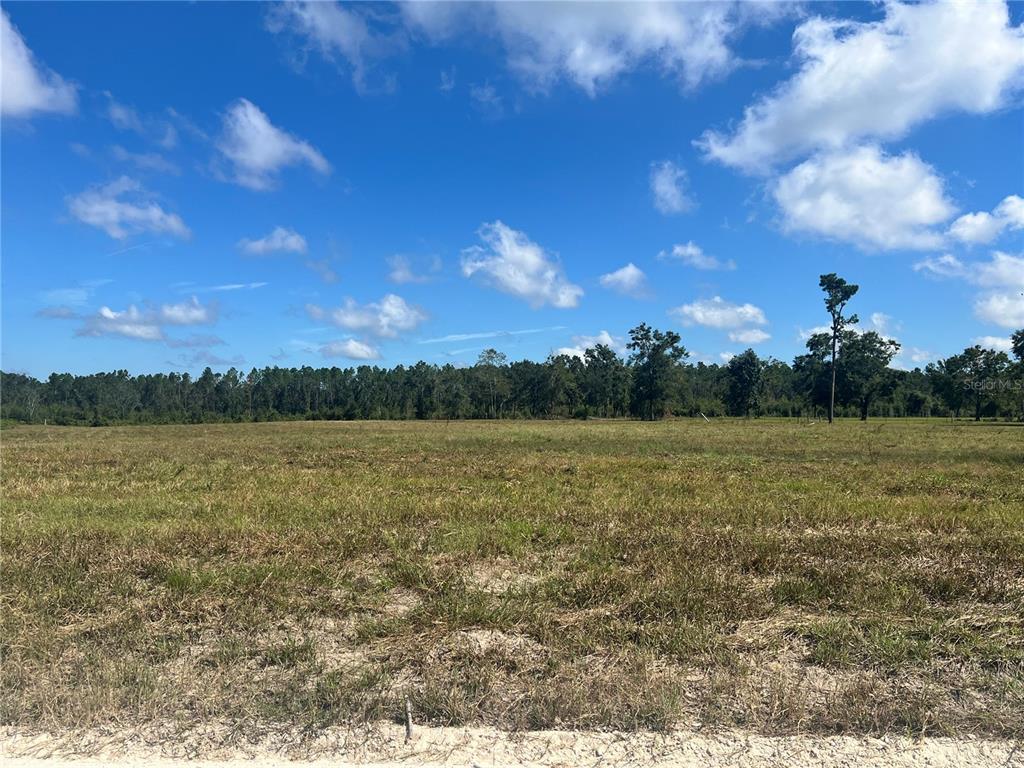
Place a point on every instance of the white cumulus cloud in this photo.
(591, 44)
(281, 240)
(189, 312)
(693, 255)
(350, 348)
(629, 280)
(580, 344)
(148, 324)
(26, 86)
(513, 263)
(122, 208)
(1002, 270)
(258, 150)
(749, 336)
(984, 227)
(131, 323)
(878, 80)
(998, 343)
(1003, 309)
(865, 197)
(719, 313)
(385, 318)
(1002, 275)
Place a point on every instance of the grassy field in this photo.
(774, 576)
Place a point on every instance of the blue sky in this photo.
(187, 185)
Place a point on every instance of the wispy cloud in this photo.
(488, 335)
(403, 270)
(668, 188)
(225, 287)
(280, 240)
(145, 161)
(257, 150)
(122, 208)
(693, 255)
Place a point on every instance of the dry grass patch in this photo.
(775, 576)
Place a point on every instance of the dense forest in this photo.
(653, 381)
(844, 372)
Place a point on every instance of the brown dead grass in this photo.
(763, 575)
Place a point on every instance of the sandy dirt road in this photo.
(384, 747)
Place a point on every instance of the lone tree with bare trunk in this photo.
(837, 293)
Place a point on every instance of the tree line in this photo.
(844, 372)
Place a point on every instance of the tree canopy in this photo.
(655, 381)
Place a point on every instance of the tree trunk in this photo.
(832, 396)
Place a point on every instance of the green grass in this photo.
(769, 575)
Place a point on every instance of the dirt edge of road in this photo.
(386, 745)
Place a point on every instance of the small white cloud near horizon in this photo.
(1002, 275)
(258, 150)
(719, 313)
(352, 349)
(280, 240)
(866, 198)
(580, 344)
(918, 355)
(27, 87)
(693, 255)
(803, 334)
(488, 334)
(130, 323)
(148, 324)
(982, 227)
(122, 208)
(880, 321)
(190, 312)
(749, 336)
(998, 343)
(668, 188)
(516, 265)
(231, 287)
(1003, 309)
(386, 318)
(629, 280)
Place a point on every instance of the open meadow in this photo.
(773, 576)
